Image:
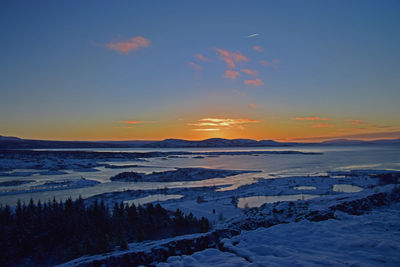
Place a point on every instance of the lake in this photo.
(333, 158)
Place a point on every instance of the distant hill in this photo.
(359, 142)
(9, 142)
(9, 138)
(391, 141)
(214, 142)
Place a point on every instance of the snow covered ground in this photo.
(359, 228)
(356, 229)
(348, 240)
(300, 210)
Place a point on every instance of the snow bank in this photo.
(365, 240)
(208, 257)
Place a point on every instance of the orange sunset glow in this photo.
(133, 81)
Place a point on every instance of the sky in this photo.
(150, 70)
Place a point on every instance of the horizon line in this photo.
(284, 140)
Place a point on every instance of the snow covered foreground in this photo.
(359, 229)
(372, 239)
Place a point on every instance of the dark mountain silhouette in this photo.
(9, 142)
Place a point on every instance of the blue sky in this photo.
(324, 59)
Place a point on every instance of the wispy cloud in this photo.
(133, 122)
(231, 58)
(322, 125)
(132, 44)
(256, 82)
(257, 48)
(231, 74)
(311, 119)
(250, 72)
(202, 58)
(253, 35)
(381, 126)
(206, 130)
(315, 121)
(218, 123)
(273, 63)
(229, 122)
(195, 66)
(363, 136)
(354, 122)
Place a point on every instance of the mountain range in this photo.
(10, 142)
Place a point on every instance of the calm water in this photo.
(334, 158)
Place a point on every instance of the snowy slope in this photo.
(366, 240)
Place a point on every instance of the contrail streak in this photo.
(253, 35)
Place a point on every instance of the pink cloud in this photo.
(202, 58)
(256, 82)
(250, 72)
(322, 125)
(231, 74)
(231, 58)
(132, 44)
(257, 48)
(195, 66)
(311, 119)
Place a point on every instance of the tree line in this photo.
(54, 232)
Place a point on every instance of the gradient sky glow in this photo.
(125, 70)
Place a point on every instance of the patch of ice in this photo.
(354, 167)
(305, 188)
(346, 188)
(257, 201)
